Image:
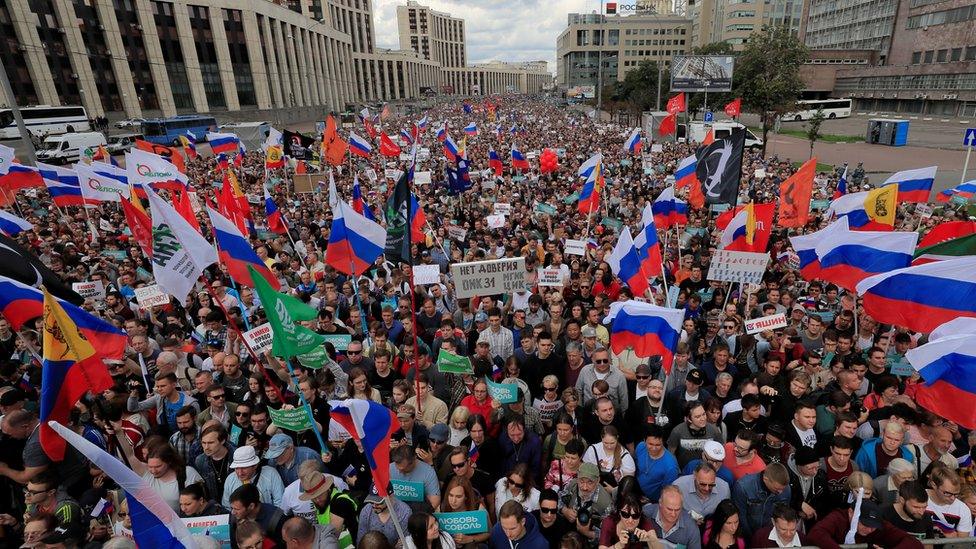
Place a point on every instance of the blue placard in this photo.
(902, 368)
(118, 255)
(826, 316)
(463, 522)
(339, 341)
(505, 393)
(408, 490)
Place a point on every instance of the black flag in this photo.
(23, 266)
(720, 168)
(398, 221)
(297, 145)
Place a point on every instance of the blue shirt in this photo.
(289, 473)
(653, 474)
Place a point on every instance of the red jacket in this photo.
(830, 532)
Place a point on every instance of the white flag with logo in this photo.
(147, 168)
(97, 188)
(180, 254)
(6, 159)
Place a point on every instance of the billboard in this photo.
(698, 73)
(581, 92)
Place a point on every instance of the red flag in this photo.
(734, 108)
(370, 129)
(140, 225)
(724, 218)
(387, 146)
(677, 104)
(300, 168)
(947, 231)
(229, 207)
(332, 145)
(709, 138)
(181, 203)
(794, 196)
(668, 125)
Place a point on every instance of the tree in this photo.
(696, 101)
(640, 86)
(767, 74)
(813, 129)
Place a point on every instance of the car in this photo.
(129, 123)
(118, 144)
(66, 148)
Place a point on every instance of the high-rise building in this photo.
(735, 20)
(849, 25)
(619, 43)
(434, 35)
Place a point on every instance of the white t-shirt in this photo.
(170, 490)
(808, 437)
(292, 505)
(954, 517)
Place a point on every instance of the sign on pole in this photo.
(771, 322)
(294, 419)
(500, 276)
(742, 267)
(260, 338)
(151, 296)
(923, 210)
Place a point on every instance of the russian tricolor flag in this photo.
(471, 129)
(589, 199)
(358, 204)
(841, 185)
(355, 242)
(359, 145)
(647, 245)
(276, 222)
(62, 184)
(913, 185)
(669, 211)
(685, 174)
(373, 425)
(494, 163)
(407, 137)
(518, 160)
(626, 265)
(805, 246)
(236, 253)
(422, 124)
(848, 257)
(948, 366)
(965, 190)
(872, 210)
(13, 225)
(450, 149)
(441, 133)
(586, 168)
(647, 329)
(740, 233)
(922, 297)
(633, 144)
(223, 142)
(19, 176)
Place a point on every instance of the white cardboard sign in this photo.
(503, 208)
(500, 276)
(771, 322)
(575, 247)
(495, 221)
(742, 267)
(421, 178)
(93, 289)
(426, 274)
(260, 339)
(550, 277)
(151, 296)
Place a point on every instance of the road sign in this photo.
(709, 116)
(969, 139)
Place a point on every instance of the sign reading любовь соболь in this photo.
(500, 276)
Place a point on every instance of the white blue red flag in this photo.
(648, 329)
(373, 425)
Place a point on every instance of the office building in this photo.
(619, 42)
(849, 25)
(434, 35)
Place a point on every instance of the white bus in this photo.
(832, 108)
(44, 120)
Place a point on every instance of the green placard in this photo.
(819, 204)
(612, 223)
(463, 522)
(295, 419)
(116, 254)
(264, 234)
(571, 198)
(626, 162)
(408, 490)
(545, 208)
(959, 200)
(314, 359)
(505, 393)
(143, 274)
(450, 363)
(339, 341)
(518, 178)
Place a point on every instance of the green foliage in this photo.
(813, 129)
(767, 74)
(638, 91)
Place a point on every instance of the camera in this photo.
(585, 514)
(632, 538)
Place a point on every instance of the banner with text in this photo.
(500, 276)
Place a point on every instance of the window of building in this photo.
(970, 53)
(942, 56)
(929, 56)
(916, 58)
(956, 54)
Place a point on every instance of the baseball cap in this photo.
(374, 499)
(406, 411)
(589, 471)
(714, 450)
(871, 514)
(439, 433)
(589, 331)
(481, 316)
(277, 446)
(696, 377)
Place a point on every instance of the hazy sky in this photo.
(497, 30)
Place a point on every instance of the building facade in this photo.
(276, 60)
(434, 35)
(930, 67)
(617, 44)
(849, 25)
(735, 20)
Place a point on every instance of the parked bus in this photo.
(832, 108)
(44, 120)
(167, 131)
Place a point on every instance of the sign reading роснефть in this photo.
(500, 276)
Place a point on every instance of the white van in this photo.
(723, 129)
(62, 149)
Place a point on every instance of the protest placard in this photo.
(294, 419)
(151, 296)
(505, 393)
(92, 289)
(408, 490)
(657, 147)
(339, 341)
(502, 208)
(421, 178)
(314, 359)
(426, 274)
(771, 322)
(742, 267)
(544, 208)
(450, 363)
(456, 233)
(260, 338)
(575, 247)
(495, 221)
(463, 522)
(550, 277)
(499, 276)
(371, 174)
(612, 223)
(216, 527)
(118, 255)
(923, 210)
(902, 368)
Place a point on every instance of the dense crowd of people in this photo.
(776, 439)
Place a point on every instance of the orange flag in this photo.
(794, 196)
(332, 145)
(709, 138)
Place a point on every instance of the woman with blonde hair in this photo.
(609, 455)
(458, 425)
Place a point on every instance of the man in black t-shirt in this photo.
(908, 510)
(481, 481)
(552, 525)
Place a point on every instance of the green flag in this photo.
(950, 249)
(290, 339)
(453, 364)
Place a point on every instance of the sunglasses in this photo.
(551, 389)
(516, 484)
(242, 414)
(601, 362)
(628, 515)
(547, 510)
(354, 353)
(457, 466)
(643, 377)
(221, 395)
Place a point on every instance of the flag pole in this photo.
(355, 283)
(408, 230)
(396, 520)
(308, 408)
